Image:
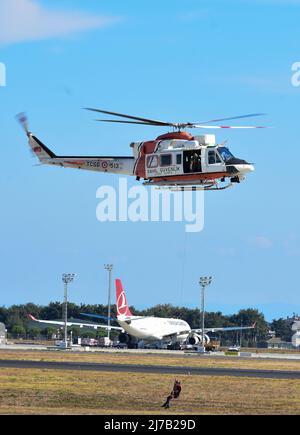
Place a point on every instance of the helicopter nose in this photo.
(245, 168)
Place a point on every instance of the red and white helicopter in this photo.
(175, 160)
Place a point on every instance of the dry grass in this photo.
(152, 359)
(26, 391)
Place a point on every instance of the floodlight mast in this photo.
(109, 268)
(204, 282)
(67, 279)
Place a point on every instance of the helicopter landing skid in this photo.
(182, 188)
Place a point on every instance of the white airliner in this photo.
(153, 329)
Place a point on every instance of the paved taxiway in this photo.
(161, 352)
(273, 374)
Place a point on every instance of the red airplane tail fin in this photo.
(122, 305)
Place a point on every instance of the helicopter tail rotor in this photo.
(23, 120)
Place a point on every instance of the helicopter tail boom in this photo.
(110, 164)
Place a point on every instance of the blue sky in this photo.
(170, 60)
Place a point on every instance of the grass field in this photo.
(32, 391)
(26, 391)
(152, 359)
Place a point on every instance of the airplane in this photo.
(134, 329)
(175, 161)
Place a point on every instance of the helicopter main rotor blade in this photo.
(251, 115)
(122, 115)
(129, 122)
(179, 126)
(225, 126)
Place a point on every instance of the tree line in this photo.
(19, 325)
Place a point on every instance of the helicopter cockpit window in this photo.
(152, 162)
(166, 160)
(225, 154)
(213, 158)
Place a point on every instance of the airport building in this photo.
(296, 336)
(2, 334)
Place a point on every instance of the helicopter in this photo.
(175, 160)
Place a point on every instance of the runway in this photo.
(131, 368)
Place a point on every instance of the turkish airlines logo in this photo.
(122, 304)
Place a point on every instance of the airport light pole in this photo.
(109, 268)
(67, 278)
(204, 282)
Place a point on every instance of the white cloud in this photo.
(263, 242)
(27, 20)
(291, 245)
(226, 252)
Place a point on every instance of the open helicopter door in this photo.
(192, 162)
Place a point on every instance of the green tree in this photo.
(248, 317)
(19, 331)
(282, 328)
(34, 333)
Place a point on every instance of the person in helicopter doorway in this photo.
(195, 163)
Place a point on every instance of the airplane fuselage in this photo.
(153, 328)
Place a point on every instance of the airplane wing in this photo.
(225, 329)
(81, 325)
(97, 316)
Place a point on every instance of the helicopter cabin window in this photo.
(178, 159)
(152, 162)
(213, 158)
(166, 160)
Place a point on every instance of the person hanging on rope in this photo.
(174, 394)
(177, 389)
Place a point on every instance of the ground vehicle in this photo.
(92, 342)
(234, 348)
(104, 342)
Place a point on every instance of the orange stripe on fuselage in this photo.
(188, 177)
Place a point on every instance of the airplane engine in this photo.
(196, 339)
(124, 338)
(128, 339)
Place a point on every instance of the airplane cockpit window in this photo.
(225, 154)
